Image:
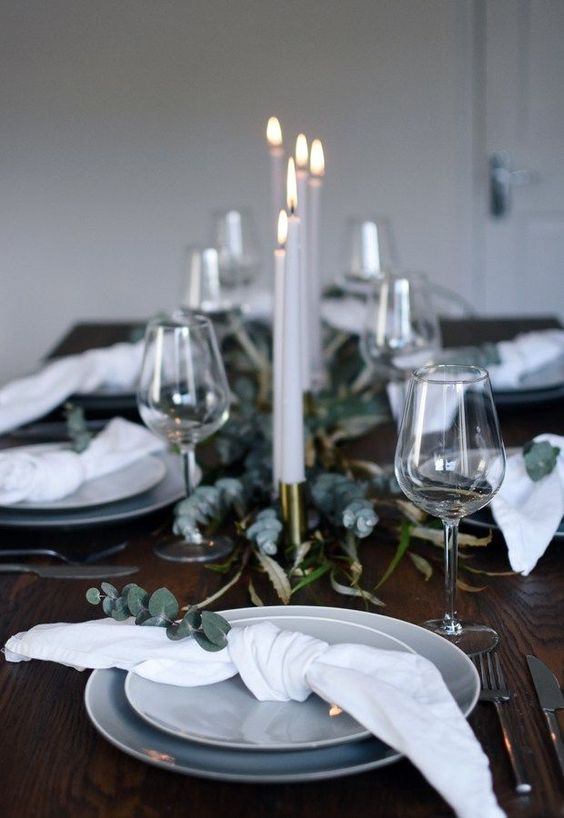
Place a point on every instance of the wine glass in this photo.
(450, 461)
(370, 252)
(201, 288)
(399, 321)
(234, 237)
(183, 396)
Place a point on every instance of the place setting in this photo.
(260, 398)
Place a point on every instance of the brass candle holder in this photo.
(293, 512)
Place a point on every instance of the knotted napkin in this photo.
(50, 475)
(527, 512)
(26, 399)
(400, 697)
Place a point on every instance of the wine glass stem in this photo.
(450, 620)
(188, 468)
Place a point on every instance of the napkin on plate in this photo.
(527, 512)
(49, 475)
(400, 697)
(26, 399)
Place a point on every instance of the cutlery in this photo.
(70, 559)
(550, 698)
(495, 690)
(68, 571)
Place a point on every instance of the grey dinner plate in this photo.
(227, 714)
(112, 716)
(167, 491)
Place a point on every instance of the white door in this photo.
(524, 118)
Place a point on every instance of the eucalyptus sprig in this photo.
(540, 458)
(77, 430)
(160, 610)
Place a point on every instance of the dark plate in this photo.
(484, 519)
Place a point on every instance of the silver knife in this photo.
(551, 699)
(68, 571)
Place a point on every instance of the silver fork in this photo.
(495, 690)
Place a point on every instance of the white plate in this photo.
(228, 715)
(134, 479)
(114, 719)
(169, 490)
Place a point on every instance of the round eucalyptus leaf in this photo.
(156, 621)
(163, 603)
(205, 643)
(109, 590)
(137, 600)
(193, 618)
(108, 605)
(215, 628)
(142, 617)
(93, 596)
(179, 630)
(120, 611)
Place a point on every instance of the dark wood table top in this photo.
(53, 763)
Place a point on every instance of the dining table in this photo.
(53, 762)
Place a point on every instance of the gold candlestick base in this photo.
(293, 512)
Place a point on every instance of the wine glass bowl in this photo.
(450, 462)
(183, 397)
(399, 319)
(234, 237)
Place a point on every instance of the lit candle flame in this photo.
(301, 151)
(282, 228)
(317, 159)
(335, 710)
(274, 132)
(291, 186)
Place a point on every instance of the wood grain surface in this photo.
(53, 764)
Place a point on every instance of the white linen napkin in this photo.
(527, 512)
(525, 354)
(400, 697)
(26, 399)
(50, 475)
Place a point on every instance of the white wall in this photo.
(124, 122)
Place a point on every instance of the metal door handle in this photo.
(503, 178)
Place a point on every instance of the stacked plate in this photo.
(221, 731)
(146, 485)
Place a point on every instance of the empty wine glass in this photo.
(201, 287)
(400, 324)
(370, 252)
(234, 237)
(183, 396)
(450, 461)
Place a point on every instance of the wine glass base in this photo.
(470, 638)
(178, 550)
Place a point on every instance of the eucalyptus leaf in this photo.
(109, 590)
(142, 617)
(137, 599)
(93, 596)
(215, 628)
(205, 643)
(108, 605)
(193, 618)
(120, 611)
(163, 603)
(156, 621)
(540, 458)
(178, 630)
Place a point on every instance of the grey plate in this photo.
(228, 715)
(169, 490)
(133, 479)
(112, 716)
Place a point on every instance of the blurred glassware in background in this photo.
(201, 287)
(400, 322)
(400, 319)
(446, 302)
(234, 237)
(370, 252)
